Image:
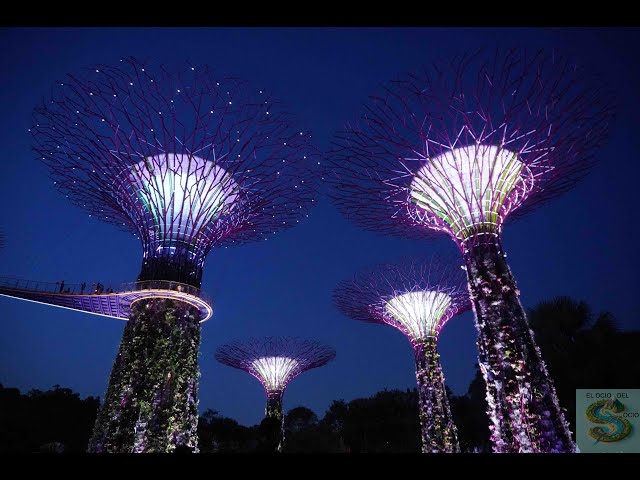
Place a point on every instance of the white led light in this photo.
(274, 371)
(418, 314)
(476, 185)
(182, 194)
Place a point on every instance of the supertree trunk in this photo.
(151, 401)
(522, 404)
(439, 434)
(274, 411)
(274, 405)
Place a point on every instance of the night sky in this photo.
(582, 244)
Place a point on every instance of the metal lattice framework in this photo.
(417, 297)
(184, 160)
(275, 361)
(460, 147)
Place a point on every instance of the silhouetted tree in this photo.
(583, 350)
(50, 421)
(469, 414)
(222, 434)
(386, 422)
(333, 424)
(304, 433)
(268, 434)
(300, 418)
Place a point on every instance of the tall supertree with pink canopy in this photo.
(185, 160)
(275, 361)
(458, 148)
(418, 297)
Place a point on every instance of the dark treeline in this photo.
(53, 421)
(582, 350)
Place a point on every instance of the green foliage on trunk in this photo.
(522, 404)
(439, 434)
(151, 402)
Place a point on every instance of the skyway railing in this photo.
(63, 288)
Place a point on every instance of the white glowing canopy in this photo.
(418, 314)
(182, 194)
(274, 372)
(467, 187)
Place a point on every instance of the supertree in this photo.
(185, 160)
(275, 361)
(1, 239)
(458, 149)
(418, 298)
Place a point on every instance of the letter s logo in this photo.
(603, 412)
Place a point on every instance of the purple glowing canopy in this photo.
(185, 160)
(275, 361)
(417, 297)
(462, 146)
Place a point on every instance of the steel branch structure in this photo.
(459, 148)
(275, 361)
(418, 298)
(185, 160)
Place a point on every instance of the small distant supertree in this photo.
(275, 361)
(1, 239)
(418, 298)
(185, 160)
(459, 149)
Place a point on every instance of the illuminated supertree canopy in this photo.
(459, 148)
(417, 298)
(275, 361)
(185, 160)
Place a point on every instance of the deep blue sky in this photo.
(582, 244)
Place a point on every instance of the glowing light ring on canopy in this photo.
(205, 309)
